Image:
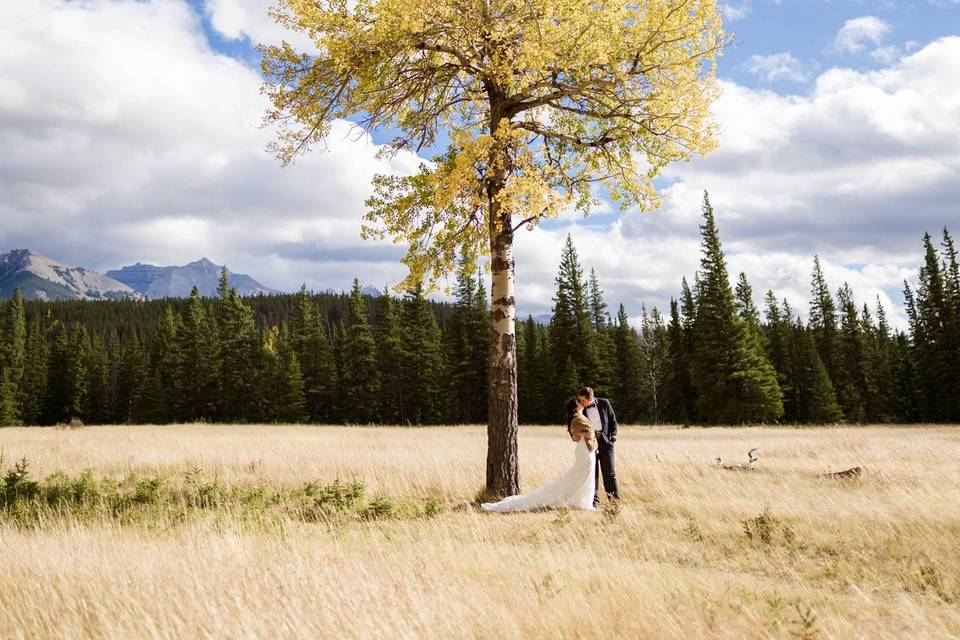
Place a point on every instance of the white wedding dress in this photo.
(574, 489)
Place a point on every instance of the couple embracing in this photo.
(593, 426)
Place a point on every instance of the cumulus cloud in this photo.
(134, 140)
(250, 19)
(733, 11)
(777, 66)
(857, 34)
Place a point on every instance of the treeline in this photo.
(292, 358)
(715, 358)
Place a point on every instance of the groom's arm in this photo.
(613, 422)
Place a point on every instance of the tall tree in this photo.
(936, 366)
(360, 378)
(421, 365)
(161, 400)
(814, 400)
(734, 380)
(627, 378)
(390, 358)
(602, 346)
(654, 354)
(236, 345)
(743, 298)
(681, 397)
(780, 350)
(34, 387)
(536, 116)
(823, 318)
(312, 346)
(290, 403)
(197, 372)
(466, 349)
(571, 331)
(13, 339)
(132, 381)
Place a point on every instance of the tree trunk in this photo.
(502, 468)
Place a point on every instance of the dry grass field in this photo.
(695, 551)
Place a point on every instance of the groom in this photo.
(599, 411)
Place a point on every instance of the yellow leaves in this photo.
(541, 100)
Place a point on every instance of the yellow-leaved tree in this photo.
(539, 104)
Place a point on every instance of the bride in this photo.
(575, 488)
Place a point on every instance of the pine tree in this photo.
(467, 348)
(679, 394)
(360, 377)
(162, 402)
(746, 309)
(598, 307)
(132, 382)
(289, 394)
(781, 351)
(390, 359)
(236, 333)
(823, 318)
(76, 376)
(882, 368)
(814, 400)
(315, 355)
(654, 353)
(848, 379)
(34, 387)
(734, 380)
(96, 406)
(527, 400)
(602, 348)
(13, 338)
(951, 350)
(570, 327)
(628, 386)
(197, 374)
(422, 364)
(935, 366)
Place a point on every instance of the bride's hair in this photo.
(571, 407)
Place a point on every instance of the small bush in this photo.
(17, 484)
(692, 530)
(381, 507)
(563, 517)
(760, 528)
(433, 507)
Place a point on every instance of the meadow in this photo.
(251, 531)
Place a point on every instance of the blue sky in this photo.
(136, 125)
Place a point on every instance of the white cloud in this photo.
(733, 11)
(237, 19)
(777, 66)
(133, 140)
(857, 34)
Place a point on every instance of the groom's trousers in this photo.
(605, 467)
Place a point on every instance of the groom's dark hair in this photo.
(586, 392)
(571, 408)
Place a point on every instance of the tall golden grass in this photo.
(695, 550)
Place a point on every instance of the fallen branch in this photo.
(752, 456)
(847, 474)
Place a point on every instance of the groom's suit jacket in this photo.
(608, 421)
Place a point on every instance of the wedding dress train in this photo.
(574, 489)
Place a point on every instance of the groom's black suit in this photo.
(605, 438)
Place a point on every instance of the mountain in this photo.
(41, 278)
(373, 292)
(176, 282)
